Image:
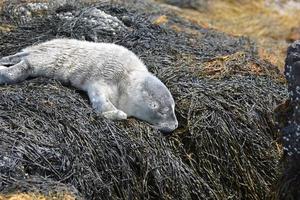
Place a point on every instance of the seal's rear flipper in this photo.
(13, 59)
(15, 73)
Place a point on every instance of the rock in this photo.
(225, 140)
(25, 12)
(289, 184)
(94, 21)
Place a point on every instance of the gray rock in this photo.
(25, 12)
(95, 20)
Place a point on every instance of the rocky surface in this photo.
(288, 118)
(51, 139)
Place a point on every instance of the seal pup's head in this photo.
(150, 100)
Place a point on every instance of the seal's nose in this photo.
(168, 129)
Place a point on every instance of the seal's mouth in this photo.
(166, 128)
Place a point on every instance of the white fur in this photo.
(113, 77)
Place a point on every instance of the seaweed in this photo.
(225, 145)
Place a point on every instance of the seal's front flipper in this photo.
(15, 73)
(13, 59)
(102, 104)
(115, 115)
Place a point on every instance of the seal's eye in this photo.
(153, 105)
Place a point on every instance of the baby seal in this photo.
(116, 80)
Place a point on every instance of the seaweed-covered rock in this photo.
(26, 11)
(64, 140)
(224, 145)
(93, 21)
